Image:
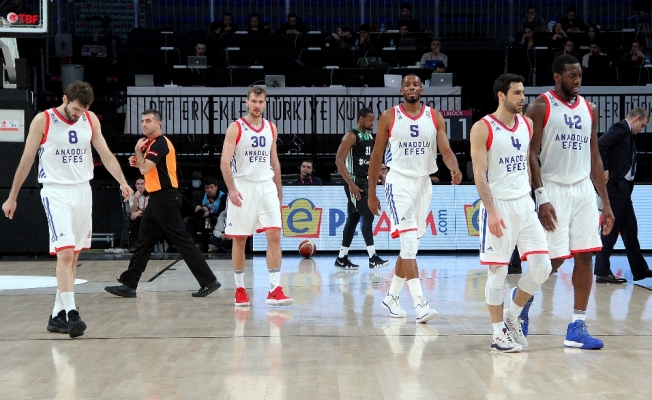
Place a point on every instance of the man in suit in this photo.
(618, 152)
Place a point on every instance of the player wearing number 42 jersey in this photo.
(565, 143)
(499, 146)
(252, 174)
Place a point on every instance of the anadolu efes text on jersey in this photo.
(566, 143)
(65, 155)
(507, 157)
(252, 157)
(412, 143)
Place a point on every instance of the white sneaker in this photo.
(505, 343)
(515, 327)
(424, 312)
(391, 303)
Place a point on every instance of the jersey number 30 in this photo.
(258, 141)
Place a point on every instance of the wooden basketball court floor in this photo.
(335, 342)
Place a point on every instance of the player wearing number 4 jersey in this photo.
(499, 145)
(252, 175)
(408, 137)
(63, 136)
(565, 142)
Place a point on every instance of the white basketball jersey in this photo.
(507, 158)
(566, 143)
(412, 145)
(252, 157)
(65, 155)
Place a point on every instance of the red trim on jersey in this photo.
(80, 250)
(389, 132)
(588, 106)
(58, 249)
(572, 107)
(269, 228)
(90, 121)
(586, 250)
(47, 126)
(524, 256)
(566, 257)
(62, 118)
(237, 236)
(548, 107)
(274, 133)
(434, 117)
(237, 140)
(490, 135)
(513, 129)
(398, 233)
(499, 264)
(423, 109)
(529, 128)
(262, 126)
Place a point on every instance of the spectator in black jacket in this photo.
(293, 25)
(207, 209)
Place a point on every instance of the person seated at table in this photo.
(256, 26)
(594, 50)
(571, 22)
(306, 171)
(364, 39)
(225, 25)
(293, 25)
(434, 54)
(405, 41)
(341, 39)
(406, 18)
(558, 35)
(568, 50)
(634, 57)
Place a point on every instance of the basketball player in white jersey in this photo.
(565, 142)
(62, 137)
(499, 146)
(408, 136)
(252, 174)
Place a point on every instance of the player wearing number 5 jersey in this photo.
(565, 143)
(408, 137)
(252, 174)
(63, 136)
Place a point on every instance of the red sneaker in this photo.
(241, 297)
(277, 298)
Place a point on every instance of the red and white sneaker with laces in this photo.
(241, 297)
(277, 298)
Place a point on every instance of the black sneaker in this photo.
(122, 291)
(206, 290)
(59, 323)
(377, 262)
(76, 326)
(345, 263)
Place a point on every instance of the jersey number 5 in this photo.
(414, 130)
(258, 141)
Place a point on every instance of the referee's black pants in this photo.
(163, 215)
(620, 197)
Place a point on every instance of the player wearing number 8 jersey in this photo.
(408, 137)
(565, 143)
(252, 174)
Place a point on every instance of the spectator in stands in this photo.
(635, 57)
(536, 23)
(207, 210)
(218, 241)
(594, 50)
(571, 22)
(405, 41)
(226, 25)
(306, 171)
(200, 48)
(256, 26)
(137, 204)
(293, 25)
(434, 54)
(440, 68)
(558, 35)
(527, 41)
(568, 50)
(592, 34)
(341, 39)
(364, 39)
(406, 18)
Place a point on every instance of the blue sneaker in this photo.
(577, 336)
(524, 313)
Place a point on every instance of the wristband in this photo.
(541, 196)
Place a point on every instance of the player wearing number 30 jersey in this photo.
(252, 175)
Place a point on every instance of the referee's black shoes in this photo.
(646, 274)
(206, 290)
(122, 291)
(609, 279)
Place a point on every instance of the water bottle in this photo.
(207, 223)
(357, 44)
(391, 43)
(647, 58)
(382, 28)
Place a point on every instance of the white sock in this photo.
(515, 310)
(68, 301)
(274, 278)
(344, 251)
(58, 304)
(415, 289)
(397, 284)
(498, 328)
(371, 250)
(239, 278)
(579, 314)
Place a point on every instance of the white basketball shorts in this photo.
(408, 202)
(68, 209)
(260, 211)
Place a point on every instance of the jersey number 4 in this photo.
(516, 143)
(569, 121)
(258, 141)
